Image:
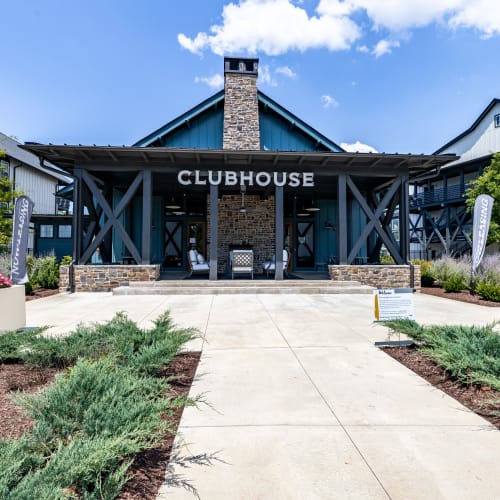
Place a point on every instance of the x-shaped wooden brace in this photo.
(374, 221)
(170, 235)
(415, 230)
(437, 232)
(460, 229)
(112, 217)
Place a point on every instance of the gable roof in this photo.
(298, 123)
(214, 101)
(480, 118)
(181, 120)
(12, 149)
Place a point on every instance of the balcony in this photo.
(451, 194)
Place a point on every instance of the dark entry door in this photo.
(174, 248)
(305, 244)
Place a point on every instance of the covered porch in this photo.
(139, 206)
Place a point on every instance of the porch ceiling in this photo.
(119, 159)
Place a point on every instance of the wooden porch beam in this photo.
(112, 217)
(374, 222)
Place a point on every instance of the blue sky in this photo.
(397, 75)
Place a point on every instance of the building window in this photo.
(46, 231)
(64, 231)
(4, 167)
(497, 120)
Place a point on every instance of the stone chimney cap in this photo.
(241, 65)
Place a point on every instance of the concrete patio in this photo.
(303, 406)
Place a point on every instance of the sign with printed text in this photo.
(393, 303)
(480, 227)
(20, 228)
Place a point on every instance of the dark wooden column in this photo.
(342, 219)
(214, 229)
(279, 209)
(404, 219)
(147, 201)
(77, 215)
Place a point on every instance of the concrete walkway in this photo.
(303, 406)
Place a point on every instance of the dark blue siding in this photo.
(58, 246)
(277, 134)
(202, 132)
(326, 243)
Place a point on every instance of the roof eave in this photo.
(481, 117)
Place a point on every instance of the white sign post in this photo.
(393, 303)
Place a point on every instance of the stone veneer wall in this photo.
(95, 278)
(379, 276)
(241, 112)
(255, 228)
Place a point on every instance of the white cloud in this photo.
(272, 27)
(215, 81)
(358, 147)
(286, 71)
(384, 47)
(363, 48)
(483, 15)
(403, 15)
(265, 76)
(275, 27)
(329, 101)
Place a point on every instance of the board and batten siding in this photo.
(482, 141)
(39, 187)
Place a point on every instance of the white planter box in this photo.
(12, 308)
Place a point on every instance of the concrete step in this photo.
(239, 287)
(241, 283)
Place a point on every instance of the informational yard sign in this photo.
(393, 303)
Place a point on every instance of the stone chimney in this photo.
(241, 107)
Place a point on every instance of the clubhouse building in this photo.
(238, 172)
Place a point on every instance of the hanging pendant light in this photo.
(313, 207)
(302, 211)
(172, 205)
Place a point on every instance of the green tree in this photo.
(488, 183)
(7, 196)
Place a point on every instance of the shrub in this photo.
(456, 271)
(66, 260)
(146, 351)
(5, 282)
(489, 290)
(386, 259)
(426, 275)
(455, 282)
(94, 417)
(45, 272)
(471, 354)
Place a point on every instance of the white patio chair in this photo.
(242, 262)
(269, 266)
(197, 263)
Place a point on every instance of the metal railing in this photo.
(438, 196)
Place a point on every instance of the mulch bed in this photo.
(481, 400)
(463, 296)
(148, 470)
(42, 292)
(17, 377)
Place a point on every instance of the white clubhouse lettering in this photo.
(245, 178)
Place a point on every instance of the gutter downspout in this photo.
(71, 277)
